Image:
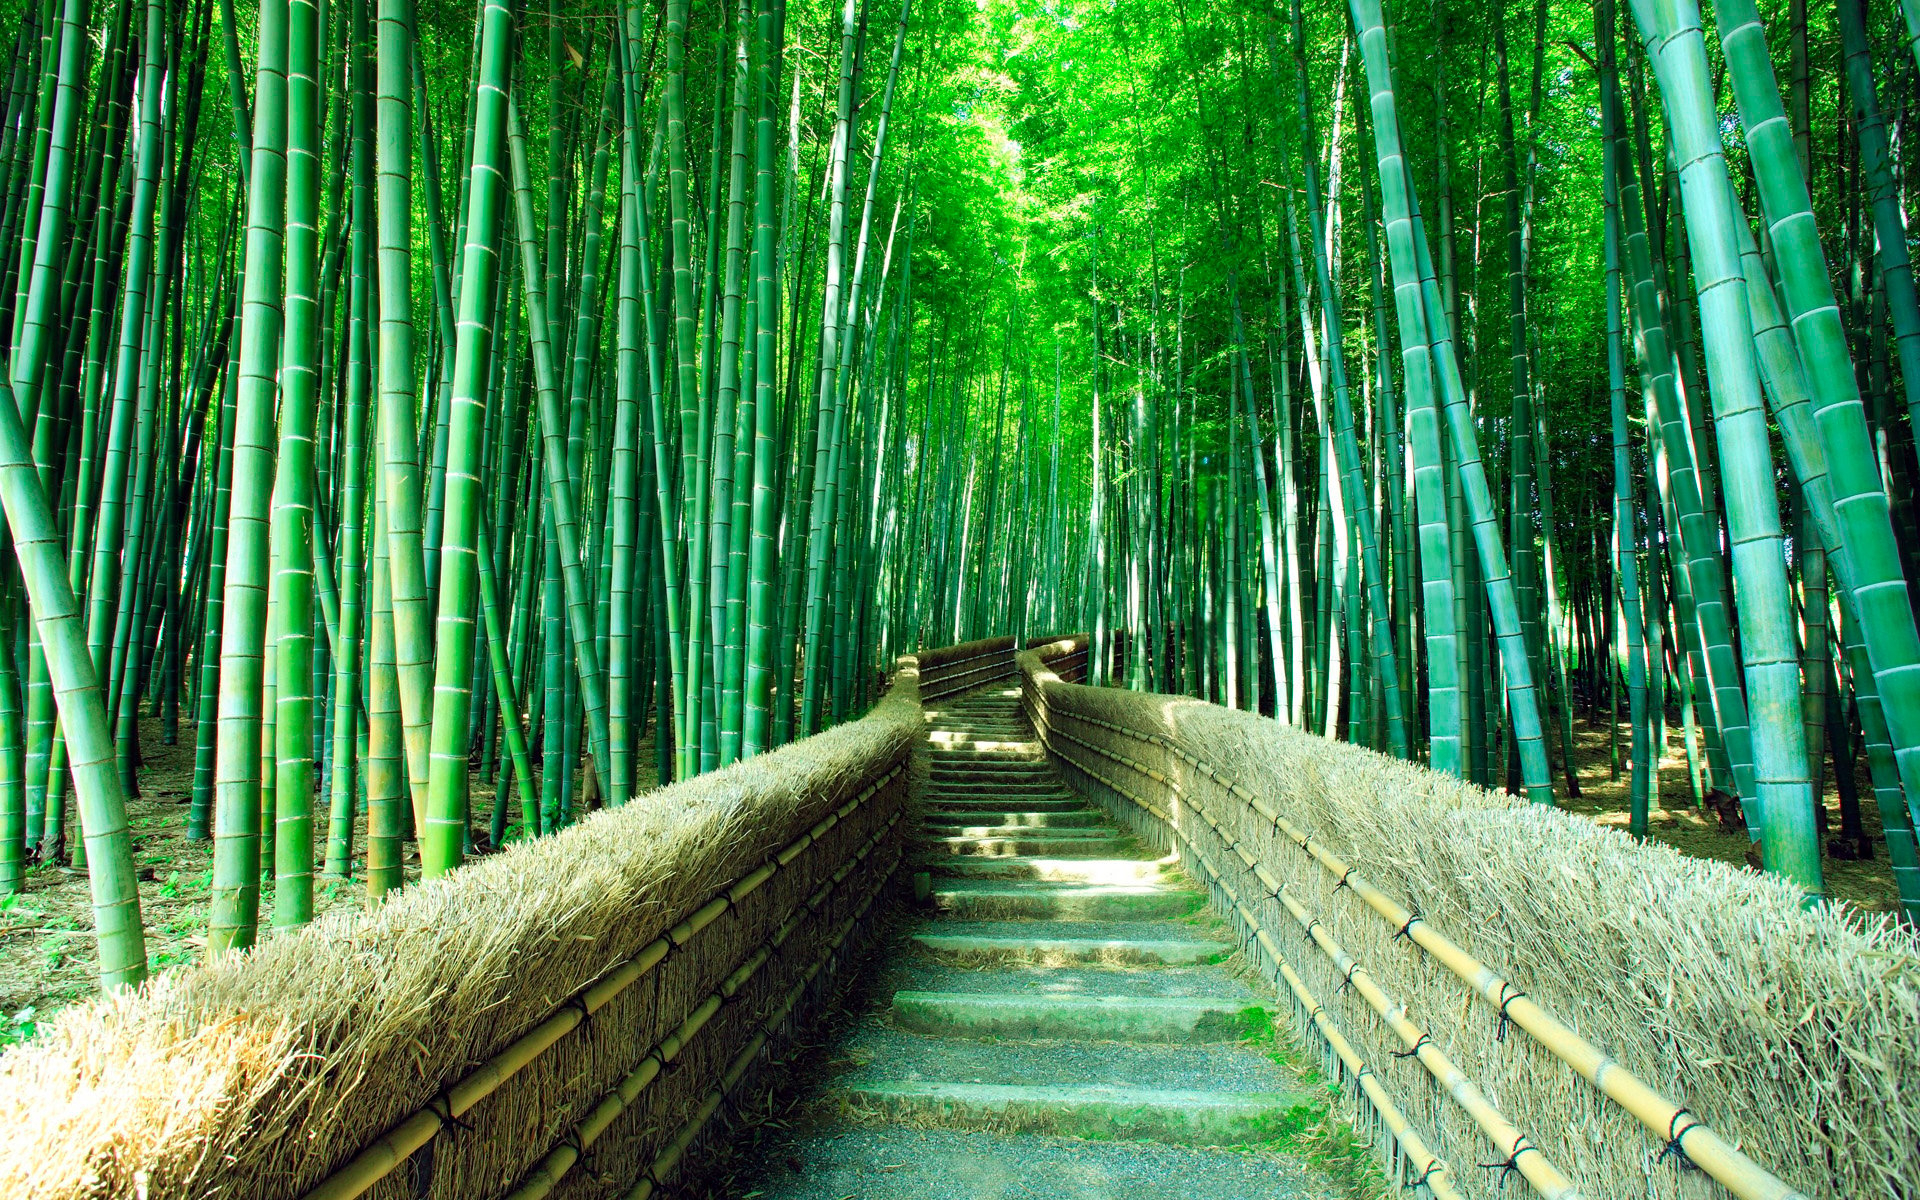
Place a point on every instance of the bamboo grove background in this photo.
(1455, 380)
(575, 396)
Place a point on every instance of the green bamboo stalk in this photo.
(1889, 224)
(442, 839)
(386, 767)
(1863, 552)
(1674, 43)
(237, 781)
(293, 499)
(1625, 532)
(560, 491)
(762, 572)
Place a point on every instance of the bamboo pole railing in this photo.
(1672, 1123)
(391, 1149)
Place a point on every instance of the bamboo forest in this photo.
(495, 472)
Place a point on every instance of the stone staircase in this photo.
(1064, 1025)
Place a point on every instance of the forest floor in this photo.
(1674, 820)
(47, 955)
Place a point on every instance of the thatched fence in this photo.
(1502, 989)
(951, 670)
(563, 1018)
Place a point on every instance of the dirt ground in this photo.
(47, 957)
(1673, 819)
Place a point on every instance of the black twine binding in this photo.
(1425, 1040)
(1348, 973)
(1433, 1165)
(1508, 994)
(1343, 879)
(442, 1106)
(1511, 1163)
(1406, 930)
(580, 1002)
(1675, 1132)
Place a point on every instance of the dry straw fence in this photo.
(952, 670)
(1508, 993)
(563, 1019)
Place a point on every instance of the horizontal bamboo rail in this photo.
(1677, 1126)
(996, 659)
(956, 675)
(655, 1175)
(392, 1148)
(1433, 1171)
(1521, 1154)
(549, 1171)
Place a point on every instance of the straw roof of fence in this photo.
(1794, 1032)
(257, 1075)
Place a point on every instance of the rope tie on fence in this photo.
(1420, 1180)
(1508, 994)
(1406, 930)
(1342, 881)
(442, 1106)
(1347, 982)
(1675, 1133)
(578, 1002)
(1511, 1164)
(1414, 1050)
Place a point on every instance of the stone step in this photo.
(1063, 870)
(988, 760)
(987, 795)
(909, 1163)
(1167, 1019)
(988, 786)
(1194, 1117)
(959, 757)
(1043, 844)
(999, 800)
(986, 900)
(1066, 834)
(986, 801)
(1214, 983)
(1039, 778)
(1043, 950)
(1006, 819)
(1207, 1094)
